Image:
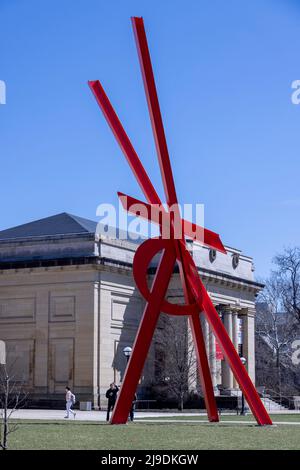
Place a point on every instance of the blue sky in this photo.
(223, 71)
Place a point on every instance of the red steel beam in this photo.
(156, 213)
(143, 338)
(192, 284)
(124, 142)
(170, 192)
(201, 296)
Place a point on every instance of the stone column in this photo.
(205, 330)
(227, 376)
(210, 344)
(249, 340)
(235, 340)
(212, 358)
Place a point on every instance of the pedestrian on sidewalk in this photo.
(111, 395)
(70, 401)
(132, 409)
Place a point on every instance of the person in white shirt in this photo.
(70, 400)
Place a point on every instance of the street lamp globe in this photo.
(127, 351)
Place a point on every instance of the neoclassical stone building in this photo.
(69, 305)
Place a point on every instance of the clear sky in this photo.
(223, 70)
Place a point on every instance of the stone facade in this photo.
(69, 305)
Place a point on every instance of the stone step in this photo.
(272, 405)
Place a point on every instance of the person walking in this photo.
(70, 401)
(111, 395)
(132, 409)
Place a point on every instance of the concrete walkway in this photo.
(51, 415)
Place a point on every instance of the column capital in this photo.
(235, 310)
(248, 311)
(218, 308)
(226, 309)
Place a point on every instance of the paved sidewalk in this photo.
(90, 415)
(50, 415)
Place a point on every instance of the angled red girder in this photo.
(174, 249)
(156, 213)
(211, 239)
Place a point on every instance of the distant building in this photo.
(69, 305)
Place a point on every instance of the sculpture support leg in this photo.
(143, 338)
(190, 275)
(203, 369)
(229, 351)
(200, 350)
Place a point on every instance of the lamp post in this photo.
(2, 353)
(243, 413)
(5, 378)
(127, 353)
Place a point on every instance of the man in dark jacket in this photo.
(132, 409)
(111, 395)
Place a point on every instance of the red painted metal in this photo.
(170, 192)
(227, 347)
(124, 142)
(154, 110)
(143, 338)
(211, 239)
(153, 198)
(174, 248)
(156, 213)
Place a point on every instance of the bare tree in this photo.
(275, 329)
(288, 272)
(12, 397)
(175, 361)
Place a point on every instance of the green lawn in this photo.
(277, 417)
(147, 436)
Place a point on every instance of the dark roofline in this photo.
(72, 224)
(94, 260)
(58, 236)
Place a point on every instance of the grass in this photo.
(276, 418)
(153, 436)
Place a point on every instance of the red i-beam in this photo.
(173, 249)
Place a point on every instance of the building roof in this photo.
(59, 224)
(66, 239)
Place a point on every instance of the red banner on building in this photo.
(219, 354)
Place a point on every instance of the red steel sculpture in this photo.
(174, 249)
